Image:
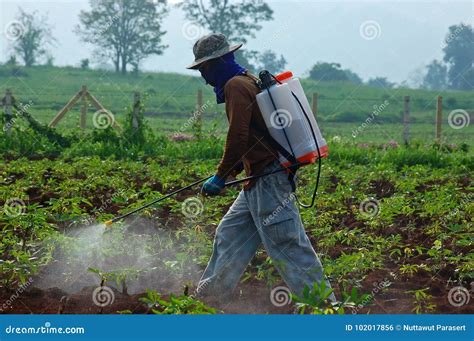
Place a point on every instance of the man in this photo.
(264, 212)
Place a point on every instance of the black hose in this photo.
(313, 199)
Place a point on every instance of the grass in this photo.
(49, 88)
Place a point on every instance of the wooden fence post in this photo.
(83, 107)
(439, 113)
(85, 96)
(406, 119)
(314, 104)
(65, 109)
(7, 107)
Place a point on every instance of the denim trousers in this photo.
(266, 213)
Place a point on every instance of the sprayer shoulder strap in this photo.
(285, 153)
(275, 144)
(254, 78)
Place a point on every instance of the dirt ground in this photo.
(249, 298)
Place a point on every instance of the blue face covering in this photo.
(220, 71)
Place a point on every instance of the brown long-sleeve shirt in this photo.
(245, 141)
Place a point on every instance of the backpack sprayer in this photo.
(292, 131)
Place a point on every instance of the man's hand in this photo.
(213, 186)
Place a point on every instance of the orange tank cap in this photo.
(284, 76)
(310, 157)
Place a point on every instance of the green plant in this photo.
(183, 304)
(119, 276)
(411, 269)
(316, 300)
(422, 302)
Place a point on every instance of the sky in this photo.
(393, 39)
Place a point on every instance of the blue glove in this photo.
(213, 186)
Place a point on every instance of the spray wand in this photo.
(230, 183)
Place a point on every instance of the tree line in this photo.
(125, 32)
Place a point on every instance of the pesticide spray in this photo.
(137, 254)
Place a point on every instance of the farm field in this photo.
(404, 229)
(393, 224)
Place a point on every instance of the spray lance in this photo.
(230, 183)
(292, 131)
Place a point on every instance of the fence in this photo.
(84, 96)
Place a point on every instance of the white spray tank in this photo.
(288, 124)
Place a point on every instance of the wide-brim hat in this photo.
(209, 47)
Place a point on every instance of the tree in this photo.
(33, 34)
(459, 54)
(353, 77)
(269, 61)
(436, 76)
(380, 82)
(85, 64)
(415, 78)
(125, 31)
(238, 20)
(328, 72)
(248, 59)
(49, 60)
(467, 80)
(12, 61)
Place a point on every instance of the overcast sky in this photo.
(373, 38)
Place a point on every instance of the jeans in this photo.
(266, 213)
